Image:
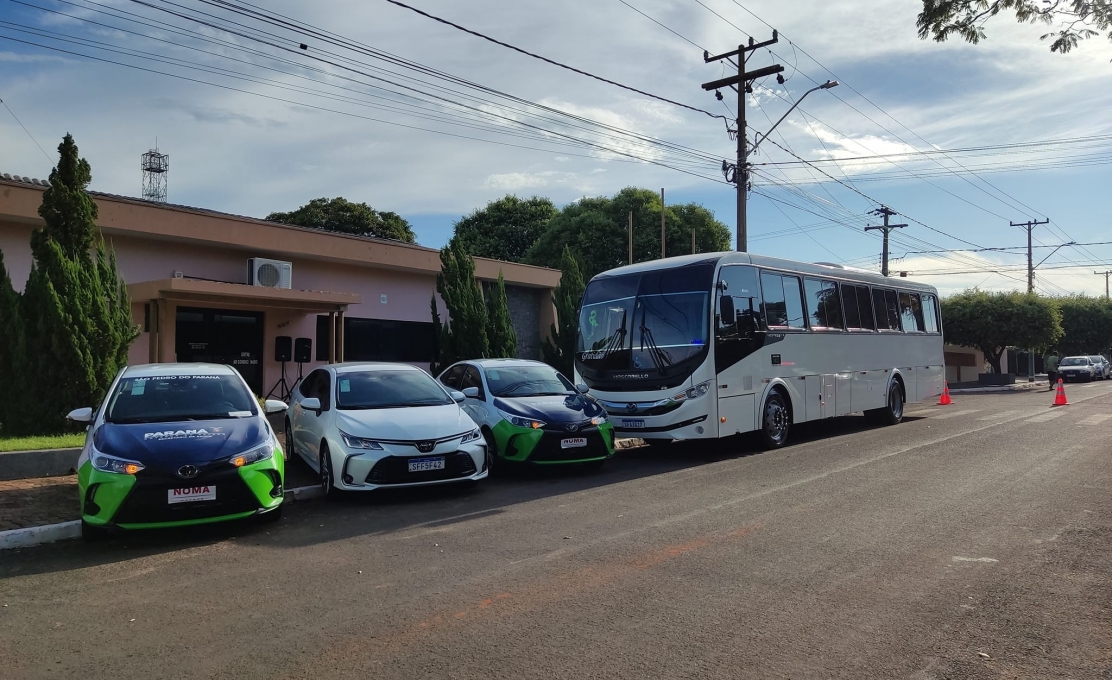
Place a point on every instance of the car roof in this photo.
(371, 366)
(186, 368)
(1077, 356)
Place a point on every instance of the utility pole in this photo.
(739, 173)
(886, 212)
(1030, 225)
(662, 255)
(631, 237)
(1105, 275)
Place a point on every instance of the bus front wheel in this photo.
(776, 422)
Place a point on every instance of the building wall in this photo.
(525, 309)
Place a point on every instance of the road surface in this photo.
(972, 541)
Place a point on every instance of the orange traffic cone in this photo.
(944, 400)
(1060, 397)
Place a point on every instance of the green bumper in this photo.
(111, 490)
(518, 444)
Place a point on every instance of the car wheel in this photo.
(776, 422)
(327, 476)
(92, 533)
(492, 450)
(288, 449)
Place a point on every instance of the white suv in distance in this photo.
(365, 426)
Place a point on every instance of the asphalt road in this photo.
(972, 541)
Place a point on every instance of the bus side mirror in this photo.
(726, 313)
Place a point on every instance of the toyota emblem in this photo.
(425, 447)
(572, 427)
(188, 471)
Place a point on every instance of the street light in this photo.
(758, 138)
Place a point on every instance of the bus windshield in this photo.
(649, 321)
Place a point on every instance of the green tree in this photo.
(11, 346)
(500, 327)
(559, 349)
(596, 229)
(467, 311)
(505, 229)
(1076, 20)
(445, 352)
(1086, 325)
(992, 322)
(344, 217)
(75, 313)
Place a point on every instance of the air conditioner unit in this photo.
(269, 273)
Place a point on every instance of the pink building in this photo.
(189, 274)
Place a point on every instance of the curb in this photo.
(1026, 387)
(28, 537)
(39, 463)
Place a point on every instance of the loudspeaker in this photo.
(283, 348)
(303, 350)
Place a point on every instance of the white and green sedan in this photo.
(529, 412)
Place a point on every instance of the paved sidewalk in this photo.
(34, 502)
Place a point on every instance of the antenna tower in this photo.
(155, 168)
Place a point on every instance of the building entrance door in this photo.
(222, 336)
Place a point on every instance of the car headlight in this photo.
(471, 436)
(119, 466)
(699, 390)
(360, 442)
(254, 455)
(519, 421)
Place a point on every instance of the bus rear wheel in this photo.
(776, 422)
(893, 412)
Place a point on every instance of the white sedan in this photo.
(365, 426)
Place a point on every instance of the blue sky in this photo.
(243, 151)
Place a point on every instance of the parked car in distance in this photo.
(365, 426)
(174, 445)
(1103, 369)
(529, 412)
(1077, 368)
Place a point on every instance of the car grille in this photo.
(147, 501)
(395, 470)
(548, 449)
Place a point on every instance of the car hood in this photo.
(408, 424)
(169, 445)
(571, 408)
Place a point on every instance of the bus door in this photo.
(737, 338)
(822, 396)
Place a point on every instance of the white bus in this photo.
(711, 345)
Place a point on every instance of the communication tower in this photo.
(155, 168)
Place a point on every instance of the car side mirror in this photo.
(311, 404)
(274, 406)
(472, 392)
(458, 396)
(582, 388)
(726, 313)
(81, 415)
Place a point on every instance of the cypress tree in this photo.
(463, 297)
(11, 347)
(445, 352)
(500, 329)
(559, 350)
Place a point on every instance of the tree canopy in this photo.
(992, 322)
(1086, 325)
(344, 217)
(1076, 20)
(504, 229)
(596, 230)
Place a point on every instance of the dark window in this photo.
(849, 304)
(783, 301)
(911, 312)
(388, 389)
(740, 284)
(471, 378)
(306, 386)
(381, 340)
(886, 306)
(452, 376)
(168, 398)
(865, 304)
(318, 384)
(930, 314)
(824, 304)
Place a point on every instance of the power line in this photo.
(44, 153)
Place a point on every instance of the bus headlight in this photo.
(699, 390)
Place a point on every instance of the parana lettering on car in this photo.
(200, 433)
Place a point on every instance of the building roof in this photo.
(126, 215)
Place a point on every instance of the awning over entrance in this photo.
(217, 292)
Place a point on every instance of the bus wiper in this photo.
(659, 357)
(616, 340)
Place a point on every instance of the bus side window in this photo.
(911, 313)
(859, 307)
(891, 308)
(930, 314)
(824, 304)
(739, 284)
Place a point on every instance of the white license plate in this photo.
(573, 443)
(423, 464)
(191, 494)
(633, 424)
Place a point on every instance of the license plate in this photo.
(191, 494)
(423, 464)
(633, 424)
(573, 443)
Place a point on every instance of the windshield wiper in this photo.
(616, 339)
(659, 357)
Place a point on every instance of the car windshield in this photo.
(526, 381)
(1075, 361)
(388, 389)
(652, 320)
(167, 398)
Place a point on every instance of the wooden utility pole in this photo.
(631, 237)
(743, 81)
(1030, 225)
(662, 255)
(1105, 275)
(886, 212)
